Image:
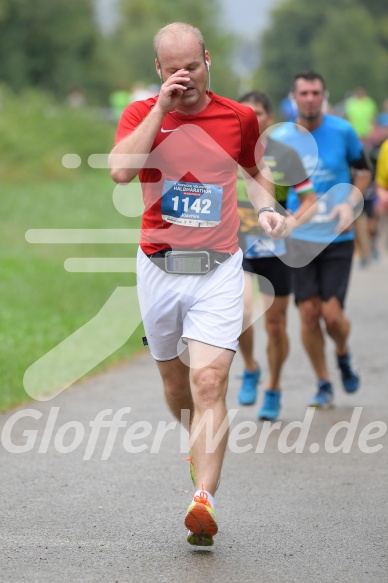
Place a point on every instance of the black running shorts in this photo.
(270, 269)
(327, 270)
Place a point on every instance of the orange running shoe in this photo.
(201, 521)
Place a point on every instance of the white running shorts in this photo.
(207, 308)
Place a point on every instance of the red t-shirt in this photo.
(189, 179)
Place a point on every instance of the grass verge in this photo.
(42, 303)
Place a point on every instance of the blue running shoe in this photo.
(349, 374)
(271, 406)
(324, 397)
(375, 253)
(248, 392)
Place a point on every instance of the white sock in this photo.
(209, 497)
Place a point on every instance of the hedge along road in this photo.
(84, 502)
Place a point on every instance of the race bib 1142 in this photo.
(191, 204)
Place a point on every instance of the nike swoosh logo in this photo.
(167, 131)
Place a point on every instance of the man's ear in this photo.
(208, 62)
(158, 69)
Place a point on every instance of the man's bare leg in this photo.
(312, 336)
(314, 343)
(247, 335)
(277, 339)
(176, 384)
(209, 380)
(248, 391)
(337, 324)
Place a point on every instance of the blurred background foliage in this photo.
(36, 131)
(59, 45)
(345, 40)
(51, 44)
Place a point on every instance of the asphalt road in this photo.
(319, 515)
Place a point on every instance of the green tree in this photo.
(361, 56)
(50, 44)
(377, 8)
(338, 38)
(285, 45)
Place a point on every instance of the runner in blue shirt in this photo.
(322, 249)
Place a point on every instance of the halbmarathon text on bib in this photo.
(192, 204)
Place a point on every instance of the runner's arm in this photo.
(141, 139)
(261, 194)
(308, 206)
(346, 211)
(139, 143)
(362, 176)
